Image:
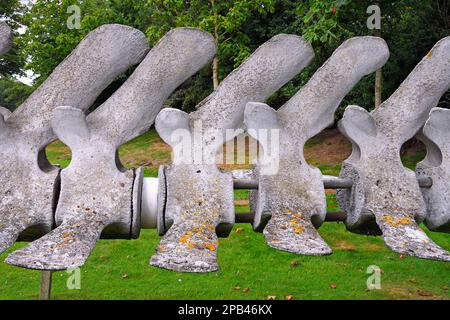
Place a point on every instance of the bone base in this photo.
(403, 235)
(188, 247)
(296, 209)
(378, 191)
(30, 205)
(398, 226)
(195, 205)
(61, 250)
(293, 233)
(82, 218)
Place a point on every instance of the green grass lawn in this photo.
(118, 269)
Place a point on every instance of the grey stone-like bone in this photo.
(28, 181)
(293, 197)
(96, 192)
(436, 136)
(199, 195)
(5, 38)
(386, 196)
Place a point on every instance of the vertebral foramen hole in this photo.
(55, 154)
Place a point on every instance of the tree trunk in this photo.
(215, 72)
(216, 58)
(378, 75)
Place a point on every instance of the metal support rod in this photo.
(46, 285)
(425, 182)
(329, 182)
(248, 217)
(245, 217)
(336, 216)
(332, 182)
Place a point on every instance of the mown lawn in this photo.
(119, 269)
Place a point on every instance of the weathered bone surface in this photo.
(199, 195)
(28, 181)
(5, 38)
(291, 194)
(96, 192)
(383, 188)
(436, 136)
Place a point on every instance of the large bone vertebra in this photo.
(292, 194)
(383, 188)
(97, 194)
(199, 195)
(28, 181)
(436, 136)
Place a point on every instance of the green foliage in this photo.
(10, 12)
(225, 20)
(12, 63)
(48, 40)
(320, 19)
(192, 91)
(13, 93)
(410, 27)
